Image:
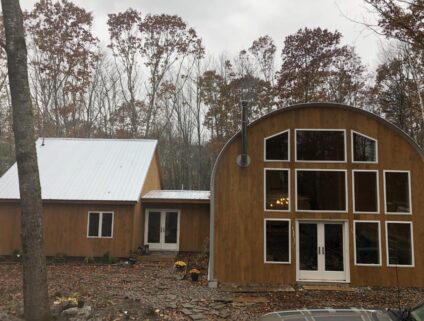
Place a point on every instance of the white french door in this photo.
(322, 251)
(162, 230)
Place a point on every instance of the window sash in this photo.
(389, 202)
(377, 238)
(286, 237)
(104, 224)
(396, 252)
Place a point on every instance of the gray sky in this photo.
(232, 25)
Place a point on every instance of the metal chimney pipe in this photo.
(243, 160)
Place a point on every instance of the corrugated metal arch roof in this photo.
(78, 169)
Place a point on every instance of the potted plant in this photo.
(194, 274)
(180, 266)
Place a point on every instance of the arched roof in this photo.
(381, 120)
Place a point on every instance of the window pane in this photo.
(277, 241)
(321, 190)
(315, 145)
(399, 242)
(364, 149)
(93, 226)
(366, 196)
(367, 243)
(277, 147)
(107, 224)
(277, 189)
(397, 192)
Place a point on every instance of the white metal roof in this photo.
(87, 169)
(178, 195)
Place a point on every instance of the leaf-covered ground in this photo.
(155, 291)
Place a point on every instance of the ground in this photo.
(155, 291)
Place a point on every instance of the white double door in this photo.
(322, 251)
(162, 230)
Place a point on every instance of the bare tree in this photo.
(36, 300)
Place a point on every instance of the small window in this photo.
(399, 243)
(100, 224)
(320, 145)
(365, 189)
(277, 241)
(364, 148)
(321, 190)
(397, 192)
(277, 147)
(367, 243)
(277, 189)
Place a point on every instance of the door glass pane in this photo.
(171, 227)
(153, 234)
(333, 248)
(107, 224)
(308, 245)
(93, 224)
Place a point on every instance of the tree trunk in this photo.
(36, 300)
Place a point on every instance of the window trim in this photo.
(289, 237)
(99, 232)
(410, 192)
(379, 243)
(412, 244)
(352, 148)
(321, 130)
(321, 170)
(288, 147)
(353, 191)
(289, 190)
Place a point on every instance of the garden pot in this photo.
(194, 276)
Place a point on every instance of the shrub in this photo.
(89, 260)
(109, 259)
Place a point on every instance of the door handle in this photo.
(319, 250)
(323, 250)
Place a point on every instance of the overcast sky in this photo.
(231, 25)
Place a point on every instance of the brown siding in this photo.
(65, 229)
(194, 224)
(239, 209)
(152, 182)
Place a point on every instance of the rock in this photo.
(77, 314)
(197, 317)
(186, 311)
(58, 308)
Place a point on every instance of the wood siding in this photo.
(65, 229)
(194, 224)
(239, 198)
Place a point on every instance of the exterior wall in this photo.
(153, 182)
(194, 224)
(65, 229)
(238, 199)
